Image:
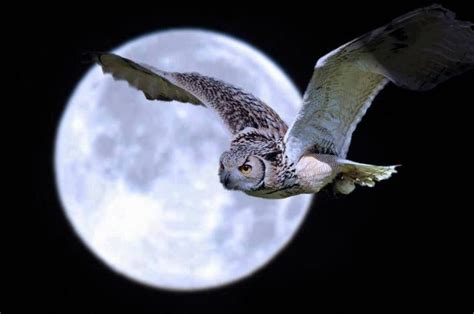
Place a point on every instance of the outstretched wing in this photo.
(417, 51)
(237, 108)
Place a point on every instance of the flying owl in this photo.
(267, 158)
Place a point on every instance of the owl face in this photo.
(246, 173)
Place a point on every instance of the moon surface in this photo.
(138, 179)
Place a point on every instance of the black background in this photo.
(391, 246)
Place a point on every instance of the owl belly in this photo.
(274, 194)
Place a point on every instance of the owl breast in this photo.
(310, 175)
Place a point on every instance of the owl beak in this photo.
(225, 180)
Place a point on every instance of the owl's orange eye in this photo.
(245, 169)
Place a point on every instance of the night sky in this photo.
(390, 245)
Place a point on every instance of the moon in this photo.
(138, 179)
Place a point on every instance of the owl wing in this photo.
(417, 51)
(237, 108)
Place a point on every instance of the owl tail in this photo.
(352, 173)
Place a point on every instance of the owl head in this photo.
(251, 160)
(244, 172)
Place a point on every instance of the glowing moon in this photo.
(138, 179)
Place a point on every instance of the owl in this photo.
(268, 159)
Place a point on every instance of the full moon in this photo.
(138, 179)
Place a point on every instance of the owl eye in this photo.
(245, 169)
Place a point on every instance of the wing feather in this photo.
(237, 108)
(417, 51)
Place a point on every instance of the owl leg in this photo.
(352, 173)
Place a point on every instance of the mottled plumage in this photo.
(267, 159)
